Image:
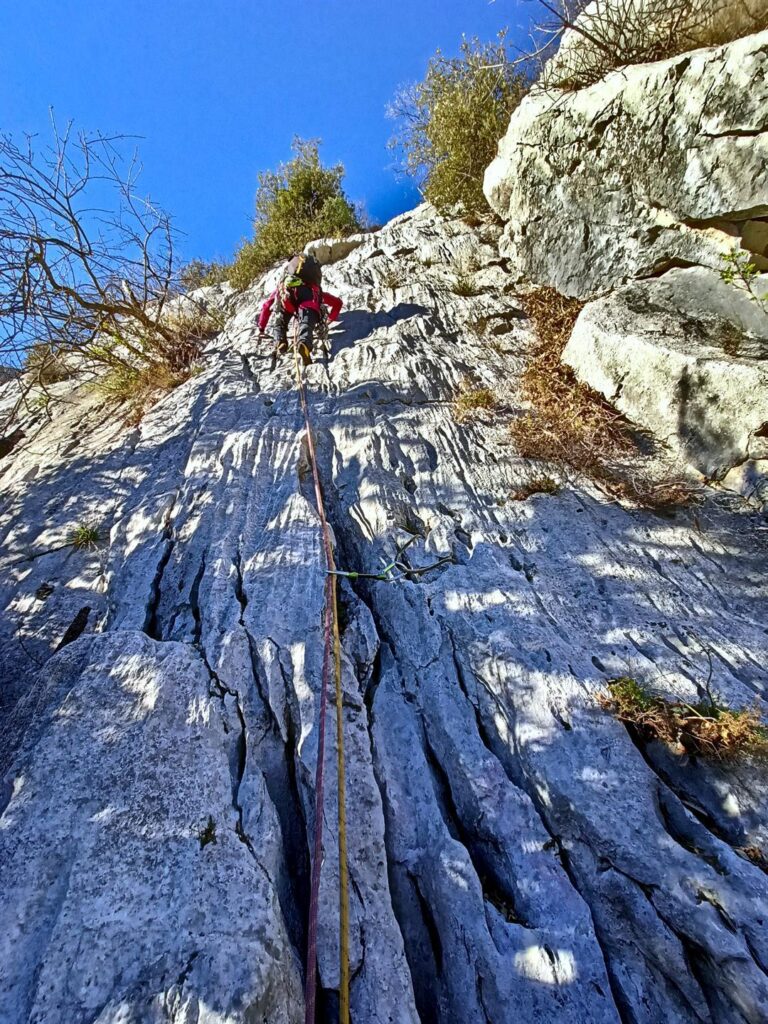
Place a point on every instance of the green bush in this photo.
(198, 274)
(299, 202)
(450, 123)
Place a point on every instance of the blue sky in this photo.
(218, 89)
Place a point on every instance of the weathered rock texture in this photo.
(685, 356)
(514, 856)
(658, 165)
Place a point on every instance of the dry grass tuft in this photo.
(538, 485)
(390, 276)
(141, 385)
(707, 729)
(755, 855)
(464, 285)
(571, 424)
(471, 400)
(46, 365)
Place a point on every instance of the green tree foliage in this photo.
(198, 273)
(449, 124)
(298, 202)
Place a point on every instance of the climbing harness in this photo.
(331, 633)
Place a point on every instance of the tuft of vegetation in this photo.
(755, 855)
(142, 384)
(537, 485)
(199, 274)
(138, 386)
(478, 326)
(44, 363)
(471, 400)
(390, 276)
(208, 833)
(738, 270)
(85, 536)
(299, 202)
(450, 123)
(612, 34)
(706, 729)
(731, 339)
(571, 424)
(464, 284)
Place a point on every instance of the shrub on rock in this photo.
(611, 34)
(451, 122)
(300, 201)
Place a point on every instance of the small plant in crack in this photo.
(537, 485)
(478, 326)
(85, 536)
(390, 276)
(471, 400)
(737, 269)
(708, 728)
(731, 339)
(208, 834)
(464, 285)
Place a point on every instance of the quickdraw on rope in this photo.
(405, 570)
(331, 630)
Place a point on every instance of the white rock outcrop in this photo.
(686, 357)
(514, 855)
(657, 165)
(331, 250)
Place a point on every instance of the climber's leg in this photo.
(280, 330)
(308, 320)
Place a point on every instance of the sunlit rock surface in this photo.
(656, 166)
(685, 356)
(514, 856)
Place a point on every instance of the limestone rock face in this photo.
(331, 250)
(514, 855)
(657, 165)
(685, 356)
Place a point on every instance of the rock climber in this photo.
(299, 294)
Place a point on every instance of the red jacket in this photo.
(318, 297)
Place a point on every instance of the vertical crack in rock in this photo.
(152, 625)
(277, 746)
(279, 769)
(497, 889)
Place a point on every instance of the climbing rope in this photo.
(392, 572)
(331, 632)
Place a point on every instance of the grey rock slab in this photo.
(126, 908)
(514, 855)
(657, 165)
(684, 356)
